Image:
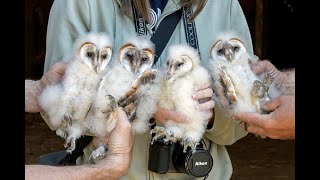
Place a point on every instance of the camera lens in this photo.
(196, 162)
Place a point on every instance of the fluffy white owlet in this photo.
(68, 102)
(234, 83)
(127, 82)
(183, 73)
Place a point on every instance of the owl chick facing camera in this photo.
(67, 104)
(236, 86)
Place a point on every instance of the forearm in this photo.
(32, 91)
(85, 172)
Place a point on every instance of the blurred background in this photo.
(272, 25)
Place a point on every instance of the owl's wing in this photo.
(218, 86)
(229, 87)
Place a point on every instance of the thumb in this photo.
(173, 115)
(250, 117)
(59, 68)
(123, 122)
(272, 104)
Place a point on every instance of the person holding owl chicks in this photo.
(279, 123)
(119, 19)
(119, 154)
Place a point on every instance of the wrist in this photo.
(112, 167)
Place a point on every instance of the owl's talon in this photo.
(132, 116)
(70, 144)
(148, 76)
(258, 90)
(112, 102)
(67, 120)
(187, 142)
(267, 81)
(98, 154)
(161, 133)
(126, 100)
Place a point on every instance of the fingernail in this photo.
(193, 95)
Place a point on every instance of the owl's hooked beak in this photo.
(228, 52)
(136, 70)
(98, 67)
(168, 76)
(169, 72)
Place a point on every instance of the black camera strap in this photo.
(164, 31)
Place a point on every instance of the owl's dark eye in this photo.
(129, 56)
(220, 51)
(236, 48)
(144, 59)
(167, 63)
(180, 64)
(89, 54)
(104, 56)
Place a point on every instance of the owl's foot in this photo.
(144, 78)
(188, 142)
(132, 116)
(98, 154)
(147, 77)
(267, 81)
(111, 105)
(170, 138)
(70, 144)
(67, 120)
(161, 132)
(61, 133)
(257, 90)
(112, 102)
(127, 99)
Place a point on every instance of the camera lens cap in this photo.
(199, 163)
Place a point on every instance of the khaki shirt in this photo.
(69, 19)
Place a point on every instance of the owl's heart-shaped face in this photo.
(96, 59)
(134, 59)
(178, 67)
(228, 51)
(94, 50)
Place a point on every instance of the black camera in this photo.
(165, 158)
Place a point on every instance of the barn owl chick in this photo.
(127, 76)
(234, 83)
(183, 73)
(68, 102)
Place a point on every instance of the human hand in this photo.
(34, 88)
(266, 66)
(203, 94)
(120, 144)
(53, 76)
(279, 124)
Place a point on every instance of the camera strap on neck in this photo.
(164, 31)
